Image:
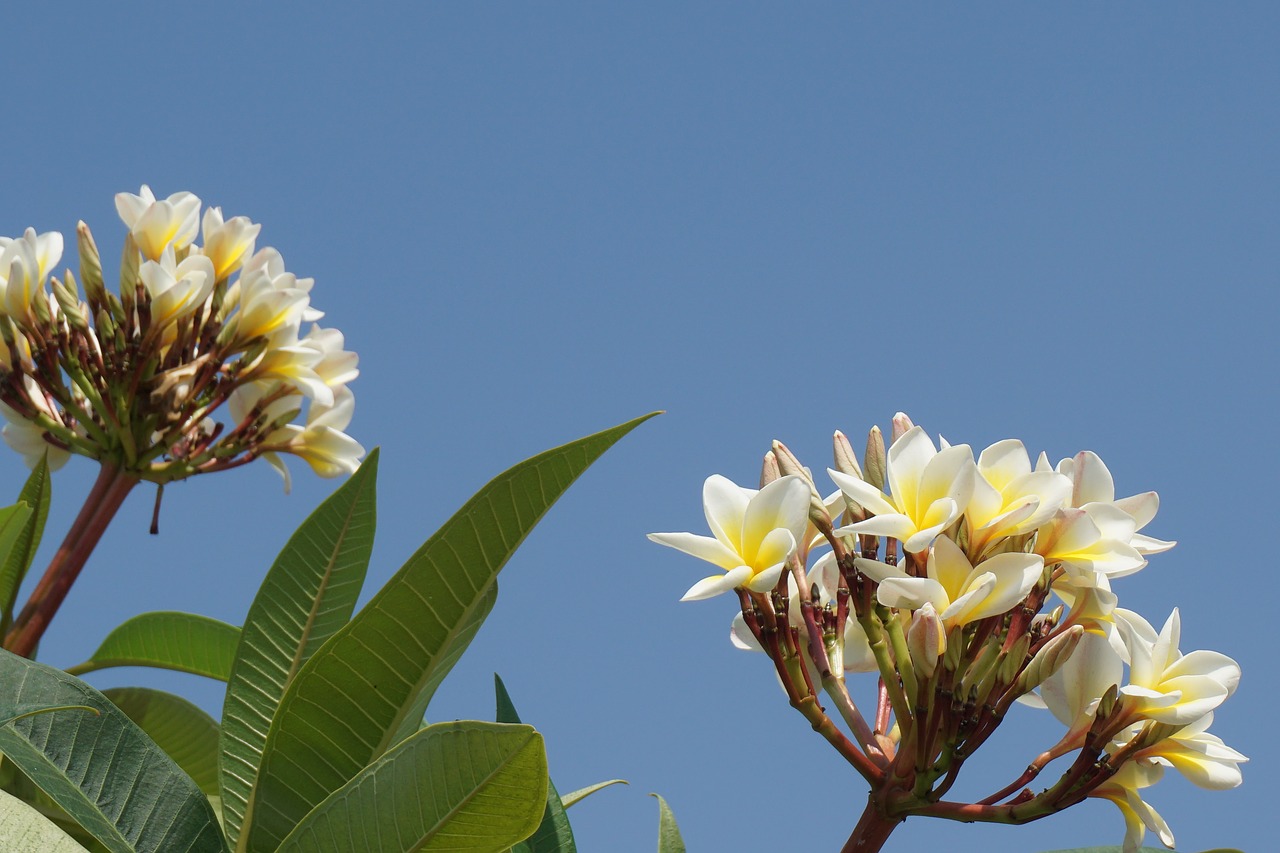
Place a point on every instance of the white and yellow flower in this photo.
(960, 592)
(928, 491)
(1166, 685)
(228, 244)
(25, 265)
(1009, 498)
(1122, 789)
(159, 225)
(754, 533)
(176, 290)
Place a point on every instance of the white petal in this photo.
(702, 547)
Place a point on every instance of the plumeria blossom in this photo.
(176, 289)
(227, 244)
(1122, 789)
(1073, 692)
(960, 592)
(754, 533)
(928, 491)
(939, 584)
(1166, 685)
(25, 264)
(138, 378)
(159, 225)
(1009, 498)
(1090, 543)
(1201, 757)
(1092, 485)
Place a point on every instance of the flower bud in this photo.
(874, 458)
(901, 425)
(955, 649)
(926, 640)
(1051, 658)
(846, 461)
(789, 464)
(1013, 660)
(68, 303)
(90, 266)
(769, 471)
(129, 268)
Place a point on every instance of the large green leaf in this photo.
(307, 595)
(351, 698)
(464, 786)
(413, 720)
(13, 523)
(554, 834)
(669, 840)
(22, 828)
(36, 493)
(101, 768)
(168, 640)
(574, 797)
(15, 783)
(186, 733)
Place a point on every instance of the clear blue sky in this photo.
(535, 221)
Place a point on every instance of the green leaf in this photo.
(464, 786)
(24, 828)
(101, 769)
(9, 713)
(168, 639)
(466, 633)
(351, 698)
(36, 493)
(554, 834)
(669, 840)
(307, 595)
(581, 794)
(13, 522)
(15, 783)
(186, 733)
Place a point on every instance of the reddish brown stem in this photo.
(109, 491)
(872, 831)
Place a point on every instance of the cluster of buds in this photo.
(966, 586)
(137, 379)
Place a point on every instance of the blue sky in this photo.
(535, 221)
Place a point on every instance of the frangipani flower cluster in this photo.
(966, 583)
(138, 378)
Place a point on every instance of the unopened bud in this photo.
(926, 640)
(90, 266)
(1107, 704)
(789, 464)
(68, 303)
(955, 648)
(769, 471)
(40, 307)
(874, 458)
(901, 424)
(1051, 658)
(1014, 659)
(846, 460)
(285, 419)
(129, 261)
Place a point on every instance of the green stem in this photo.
(109, 491)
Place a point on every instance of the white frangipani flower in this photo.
(159, 225)
(1166, 685)
(1092, 485)
(1009, 498)
(755, 533)
(25, 264)
(1201, 757)
(1122, 789)
(959, 591)
(1072, 693)
(228, 244)
(1090, 543)
(176, 290)
(929, 490)
(27, 437)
